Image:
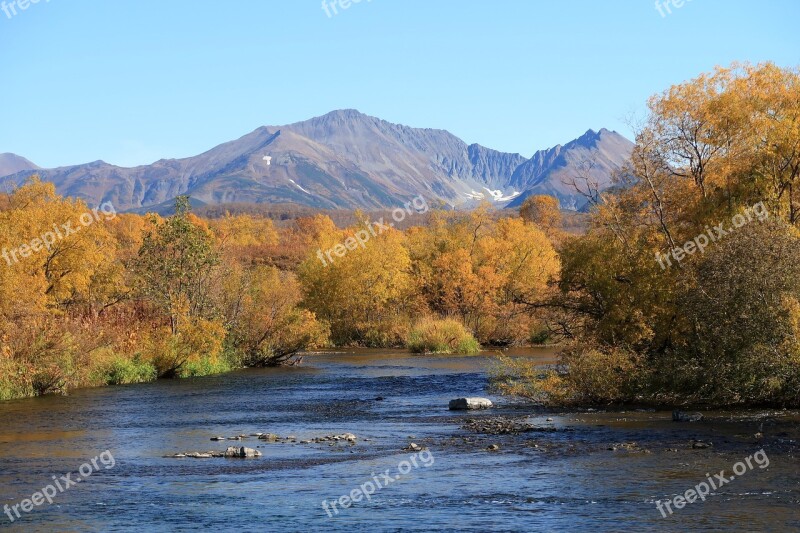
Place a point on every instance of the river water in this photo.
(582, 470)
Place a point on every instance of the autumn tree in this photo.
(267, 326)
(245, 238)
(703, 325)
(542, 210)
(176, 265)
(361, 290)
(740, 340)
(483, 271)
(53, 250)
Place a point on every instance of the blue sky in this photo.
(131, 82)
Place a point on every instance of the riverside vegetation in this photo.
(720, 327)
(136, 298)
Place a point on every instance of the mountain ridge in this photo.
(345, 159)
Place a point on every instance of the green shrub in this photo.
(584, 375)
(123, 371)
(540, 337)
(390, 332)
(444, 336)
(205, 366)
(13, 384)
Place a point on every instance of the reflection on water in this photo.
(565, 476)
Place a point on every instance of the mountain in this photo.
(345, 159)
(558, 171)
(12, 163)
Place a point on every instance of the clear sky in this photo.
(131, 82)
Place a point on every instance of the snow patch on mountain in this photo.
(299, 187)
(494, 195)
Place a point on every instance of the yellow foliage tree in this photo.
(360, 289)
(542, 210)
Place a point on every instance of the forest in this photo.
(683, 289)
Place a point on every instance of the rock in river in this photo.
(680, 416)
(501, 426)
(463, 404)
(234, 451)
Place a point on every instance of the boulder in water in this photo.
(468, 404)
(243, 452)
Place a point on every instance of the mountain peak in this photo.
(592, 137)
(348, 112)
(334, 120)
(342, 114)
(589, 138)
(13, 163)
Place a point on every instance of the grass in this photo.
(205, 366)
(122, 371)
(443, 336)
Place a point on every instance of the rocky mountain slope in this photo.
(344, 159)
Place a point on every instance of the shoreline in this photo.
(689, 409)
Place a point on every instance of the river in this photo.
(599, 470)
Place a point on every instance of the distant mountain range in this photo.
(344, 159)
